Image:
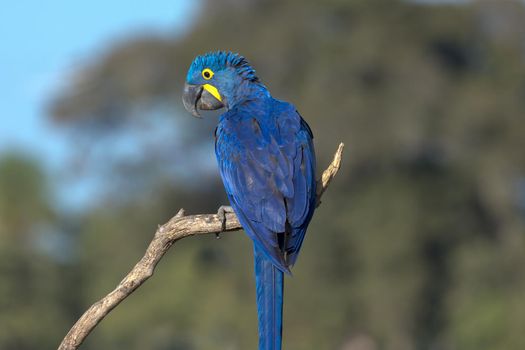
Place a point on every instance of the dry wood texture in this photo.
(178, 227)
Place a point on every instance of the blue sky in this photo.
(41, 41)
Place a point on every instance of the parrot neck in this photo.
(247, 91)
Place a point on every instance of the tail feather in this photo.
(269, 285)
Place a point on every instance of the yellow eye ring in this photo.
(207, 73)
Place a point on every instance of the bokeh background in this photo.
(419, 242)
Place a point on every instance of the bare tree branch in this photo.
(178, 227)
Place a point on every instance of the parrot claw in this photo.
(221, 213)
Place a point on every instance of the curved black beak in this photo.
(190, 98)
(195, 97)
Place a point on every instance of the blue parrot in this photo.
(266, 159)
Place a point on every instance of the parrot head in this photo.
(216, 80)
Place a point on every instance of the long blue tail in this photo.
(269, 285)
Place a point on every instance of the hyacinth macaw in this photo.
(267, 163)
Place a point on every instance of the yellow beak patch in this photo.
(213, 91)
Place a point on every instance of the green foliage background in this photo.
(419, 243)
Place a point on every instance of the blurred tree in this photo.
(32, 310)
(419, 243)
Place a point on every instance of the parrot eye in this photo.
(207, 73)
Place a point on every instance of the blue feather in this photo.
(267, 163)
(221, 59)
(269, 285)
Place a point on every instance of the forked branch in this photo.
(178, 227)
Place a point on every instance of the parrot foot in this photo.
(221, 213)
